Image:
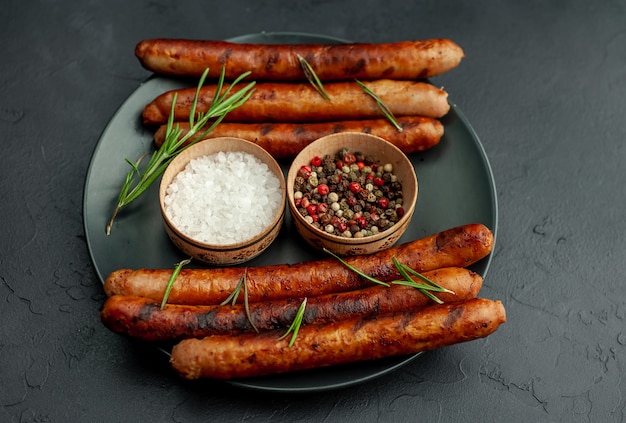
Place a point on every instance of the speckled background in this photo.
(543, 85)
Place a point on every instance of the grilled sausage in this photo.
(456, 247)
(351, 340)
(142, 318)
(285, 140)
(292, 102)
(331, 62)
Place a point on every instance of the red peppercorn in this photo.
(355, 187)
(383, 202)
(342, 226)
(379, 182)
(349, 158)
(400, 212)
(316, 161)
(315, 217)
(297, 202)
(351, 201)
(360, 165)
(322, 208)
(305, 202)
(322, 189)
(311, 209)
(339, 164)
(361, 221)
(304, 171)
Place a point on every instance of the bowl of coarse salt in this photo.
(223, 200)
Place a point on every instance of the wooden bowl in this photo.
(229, 253)
(380, 150)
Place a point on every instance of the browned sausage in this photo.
(455, 247)
(143, 318)
(351, 340)
(283, 102)
(285, 140)
(398, 60)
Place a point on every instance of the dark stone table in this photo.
(543, 85)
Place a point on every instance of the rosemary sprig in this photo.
(382, 106)
(137, 182)
(232, 298)
(355, 270)
(425, 289)
(310, 74)
(437, 287)
(173, 277)
(405, 271)
(295, 325)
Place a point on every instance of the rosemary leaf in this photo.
(355, 270)
(413, 284)
(137, 182)
(173, 277)
(424, 290)
(232, 298)
(310, 74)
(295, 325)
(382, 106)
(428, 281)
(245, 300)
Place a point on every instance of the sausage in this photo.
(331, 62)
(285, 140)
(456, 247)
(351, 340)
(142, 318)
(300, 102)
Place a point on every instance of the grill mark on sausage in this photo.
(223, 58)
(453, 316)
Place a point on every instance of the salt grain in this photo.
(223, 198)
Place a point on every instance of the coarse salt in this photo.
(223, 198)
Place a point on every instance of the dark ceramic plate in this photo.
(456, 188)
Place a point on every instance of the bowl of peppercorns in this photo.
(351, 193)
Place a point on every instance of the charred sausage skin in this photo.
(286, 140)
(300, 102)
(455, 247)
(413, 59)
(142, 318)
(351, 340)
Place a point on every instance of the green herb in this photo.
(295, 325)
(173, 277)
(382, 106)
(405, 271)
(232, 298)
(137, 182)
(425, 289)
(355, 270)
(312, 77)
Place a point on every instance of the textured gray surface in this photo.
(543, 84)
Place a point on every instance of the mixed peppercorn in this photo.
(348, 194)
